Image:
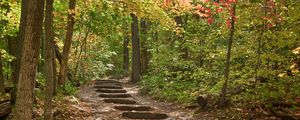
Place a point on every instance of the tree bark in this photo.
(19, 45)
(54, 68)
(136, 68)
(156, 37)
(224, 101)
(126, 55)
(144, 49)
(48, 60)
(58, 54)
(29, 59)
(84, 57)
(67, 43)
(203, 101)
(2, 87)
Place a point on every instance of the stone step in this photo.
(107, 81)
(108, 84)
(108, 87)
(115, 95)
(133, 108)
(111, 91)
(144, 115)
(120, 101)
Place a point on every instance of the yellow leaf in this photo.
(297, 50)
(281, 74)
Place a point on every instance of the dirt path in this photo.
(113, 99)
(110, 100)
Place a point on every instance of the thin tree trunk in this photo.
(136, 68)
(224, 101)
(183, 49)
(257, 67)
(202, 52)
(258, 64)
(48, 44)
(58, 54)
(78, 43)
(80, 52)
(29, 58)
(126, 54)
(67, 43)
(2, 87)
(41, 64)
(156, 37)
(144, 48)
(54, 68)
(85, 57)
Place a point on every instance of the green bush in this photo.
(68, 89)
(181, 81)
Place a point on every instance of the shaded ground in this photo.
(89, 106)
(99, 110)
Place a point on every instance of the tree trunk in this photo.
(136, 68)
(58, 54)
(19, 45)
(144, 49)
(156, 37)
(41, 64)
(29, 59)
(258, 64)
(126, 54)
(183, 49)
(224, 101)
(67, 43)
(84, 41)
(84, 57)
(48, 44)
(2, 87)
(54, 68)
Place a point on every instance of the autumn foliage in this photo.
(209, 9)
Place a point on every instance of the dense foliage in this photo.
(185, 43)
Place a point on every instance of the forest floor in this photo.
(89, 106)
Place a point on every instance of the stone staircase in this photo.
(112, 92)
